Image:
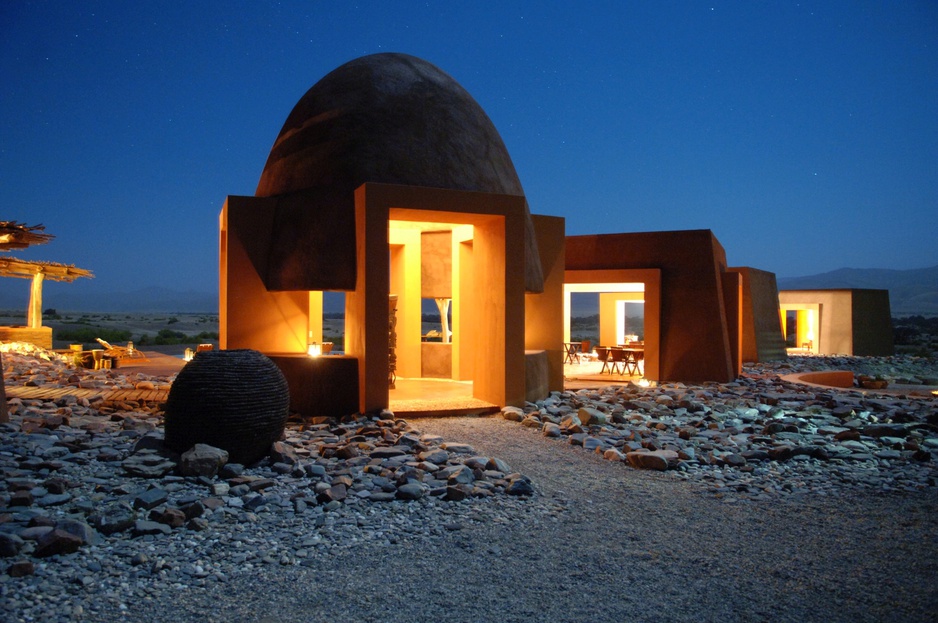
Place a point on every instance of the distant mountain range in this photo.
(70, 297)
(911, 292)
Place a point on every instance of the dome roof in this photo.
(384, 118)
(388, 118)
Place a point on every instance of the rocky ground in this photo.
(753, 500)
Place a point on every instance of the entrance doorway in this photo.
(613, 314)
(801, 327)
(431, 271)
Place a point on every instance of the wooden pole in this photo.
(35, 302)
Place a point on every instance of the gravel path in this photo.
(807, 539)
(599, 542)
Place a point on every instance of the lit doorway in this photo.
(801, 327)
(612, 314)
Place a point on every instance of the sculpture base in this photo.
(325, 386)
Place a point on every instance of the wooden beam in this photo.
(53, 271)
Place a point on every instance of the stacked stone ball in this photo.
(236, 400)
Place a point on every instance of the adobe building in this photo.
(838, 321)
(389, 183)
(701, 318)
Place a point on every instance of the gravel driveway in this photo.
(599, 542)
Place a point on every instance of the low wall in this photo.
(324, 386)
(826, 378)
(41, 336)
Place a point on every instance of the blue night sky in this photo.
(805, 135)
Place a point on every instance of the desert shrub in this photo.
(168, 337)
(87, 335)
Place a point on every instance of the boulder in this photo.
(655, 459)
(202, 460)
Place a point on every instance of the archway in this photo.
(619, 288)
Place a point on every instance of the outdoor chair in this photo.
(618, 357)
(637, 358)
(602, 354)
(119, 352)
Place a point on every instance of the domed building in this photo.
(390, 183)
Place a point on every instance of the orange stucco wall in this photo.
(250, 316)
(543, 312)
(495, 306)
(4, 414)
(651, 278)
(489, 274)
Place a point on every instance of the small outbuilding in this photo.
(15, 235)
(855, 321)
(701, 318)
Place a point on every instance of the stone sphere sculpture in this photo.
(236, 400)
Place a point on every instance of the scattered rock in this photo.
(655, 459)
(148, 463)
(202, 460)
(57, 542)
(21, 568)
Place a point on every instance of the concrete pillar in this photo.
(366, 307)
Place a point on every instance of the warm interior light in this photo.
(314, 349)
(188, 355)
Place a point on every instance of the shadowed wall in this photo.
(762, 338)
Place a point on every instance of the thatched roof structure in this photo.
(52, 271)
(15, 235)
